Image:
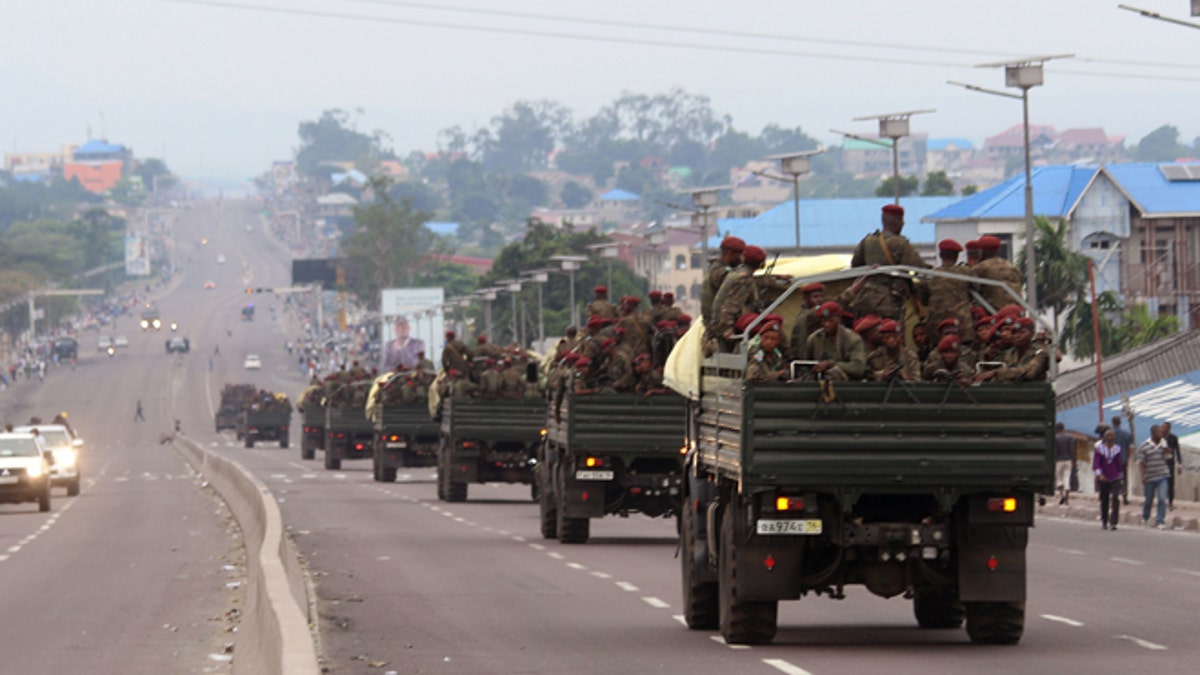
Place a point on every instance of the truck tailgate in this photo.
(494, 420)
(621, 423)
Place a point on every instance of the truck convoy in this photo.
(234, 397)
(348, 432)
(917, 489)
(404, 433)
(255, 415)
(487, 441)
(609, 453)
(312, 409)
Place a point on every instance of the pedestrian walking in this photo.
(1125, 442)
(1174, 462)
(1109, 467)
(1064, 460)
(1152, 461)
(138, 416)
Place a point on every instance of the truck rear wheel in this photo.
(44, 499)
(332, 462)
(73, 487)
(742, 622)
(249, 442)
(455, 492)
(701, 608)
(283, 442)
(938, 608)
(570, 530)
(548, 513)
(306, 450)
(387, 474)
(997, 623)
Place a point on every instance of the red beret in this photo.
(744, 320)
(753, 255)
(813, 287)
(655, 294)
(774, 323)
(984, 322)
(949, 246)
(618, 332)
(867, 323)
(607, 342)
(630, 300)
(730, 243)
(641, 357)
(949, 323)
(894, 209)
(454, 372)
(583, 362)
(990, 243)
(449, 335)
(683, 319)
(481, 339)
(978, 313)
(1009, 310)
(1023, 323)
(948, 343)
(665, 325)
(890, 326)
(489, 361)
(571, 357)
(600, 290)
(668, 296)
(596, 321)
(973, 245)
(829, 309)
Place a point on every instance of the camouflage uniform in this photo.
(601, 308)
(764, 366)
(845, 352)
(489, 383)
(713, 278)
(807, 323)
(884, 296)
(905, 363)
(456, 356)
(1030, 366)
(620, 370)
(738, 295)
(637, 333)
(934, 371)
(998, 269)
(512, 382)
(652, 379)
(950, 299)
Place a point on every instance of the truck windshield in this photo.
(18, 447)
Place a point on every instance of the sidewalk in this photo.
(1185, 516)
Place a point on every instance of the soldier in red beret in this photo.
(947, 364)
(601, 306)
(730, 257)
(455, 355)
(838, 351)
(765, 361)
(806, 322)
(738, 295)
(974, 253)
(885, 296)
(891, 360)
(867, 328)
(995, 268)
(1025, 362)
(950, 298)
(670, 311)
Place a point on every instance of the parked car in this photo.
(178, 345)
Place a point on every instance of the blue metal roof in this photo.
(619, 195)
(1175, 400)
(942, 143)
(1055, 190)
(444, 229)
(1152, 193)
(96, 147)
(831, 222)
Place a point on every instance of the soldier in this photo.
(683, 323)
(948, 365)
(765, 361)
(656, 306)
(807, 321)
(649, 378)
(582, 377)
(974, 253)
(738, 295)
(455, 354)
(920, 338)
(730, 257)
(837, 349)
(867, 328)
(995, 268)
(485, 349)
(892, 359)
(601, 306)
(885, 296)
(569, 342)
(949, 326)
(512, 379)
(950, 298)
(637, 331)
(457, 386)
(670, 311)
(620, 370)
(1026, 362)
(424, 364)
(489, 380)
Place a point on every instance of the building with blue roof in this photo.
(1138, 222)
(443, 229)
(832, 224)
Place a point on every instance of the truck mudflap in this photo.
(593, 493)
(991, 564)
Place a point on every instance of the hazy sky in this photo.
(218, 89)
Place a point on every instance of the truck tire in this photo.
(548, 514)
(996, 623)
(938, 608)
(283, 442)
(742, 622)
(570, 530)
(387, 474)
(44, 499)
(441, 478)
(455, 492)
(306, 450)
(249, 442)
(73, 487)
(332, 462)
(701, 601)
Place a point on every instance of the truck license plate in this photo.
(593, 475)
(397, 445)
(810, 526)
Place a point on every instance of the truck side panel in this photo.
(621, 423)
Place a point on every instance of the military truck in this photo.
(487, 441)
(923, 490)
(405, 434)
(348, 432)
(606, 454)
(312, 430)
(266, 421)
(234, 398)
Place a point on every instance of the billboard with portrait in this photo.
(137, 258)
(412, 323)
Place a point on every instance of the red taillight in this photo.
(992, 563)
(635, 490)
(1002, 504)
(593, 461)
(789, 503)
(468, 444)
(769, 562)
(358, 446)
(584, 496)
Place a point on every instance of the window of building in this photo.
(695, 294)
(681, 262)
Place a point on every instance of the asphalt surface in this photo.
(408, 584)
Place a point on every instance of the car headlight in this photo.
(64, 458)
(145, 323)
(35, 470)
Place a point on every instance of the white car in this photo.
(252, 362)
(104, 342)
(221, 258)
(64, 470)
(120, 341)
(24, 471)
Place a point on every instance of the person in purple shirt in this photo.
(1109, 465)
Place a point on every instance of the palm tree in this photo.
(1077, 335)
(1061, 272)
(1139, 328)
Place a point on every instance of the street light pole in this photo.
(704, 199)
(895, 126)
(540, 277)
(795, 164)
(570, 263)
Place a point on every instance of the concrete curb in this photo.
(274, 635)
(1086, 507)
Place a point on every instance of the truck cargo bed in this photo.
(621, 423)
(494, 419)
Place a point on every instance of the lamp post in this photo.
(704, 199)
(540, 277)
(513, 286)
(570, 263)
(654, 240)
(1155, 15)
(894, 126)
(487, 295)
(1024, 75)
(794, 164)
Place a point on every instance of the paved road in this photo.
(411, 585)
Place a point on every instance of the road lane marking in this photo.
(1062, 619)
(601, 575)
(537, 547)
(460, 519)
(3, 557)
(1126, 561)
(719, 639)
(1142, 643)
(626, 586)
(1070, 551)
(555, 555)
(785, 667)
(680, 618)
(519, 538)
(655, 602)
(14, 549)
(576, 566)
(1183, 571)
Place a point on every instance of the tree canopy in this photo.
(332, 137)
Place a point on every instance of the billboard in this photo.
(412, 323)
(137, 258)
(316, 270)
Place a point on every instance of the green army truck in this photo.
(487, 441)
(348, 435)
(609, 454)
(405, 436)
(312, 434)
(261, 424)
(924, 490)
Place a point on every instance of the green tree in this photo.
(908, 186)
(1077, 334)
(332, 137)
(1139, 328)
(389, 246)
(937, 185)
(969, 190)
(575, 196)
(1160, 145)
(455, 278)
(1061, 272)
(522, 137)
(152, 169)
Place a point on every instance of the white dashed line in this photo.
(576, 566)
(14, 549)
(1142, 643)
(519, 538)
(1127, 561)
(537, 547)
(1070, 551)
(721, 640)
(1062, 619)
(626, 586)
(601, 575)
(556, 555)
(460, 519)
(1183, 571)
(785, 667)
(680, 618)
(503, 533)
(655, 602)
(3, 557)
